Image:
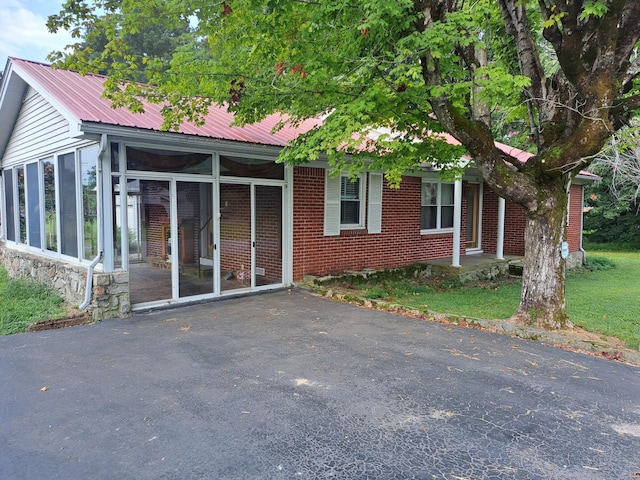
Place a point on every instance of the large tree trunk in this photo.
(543, 302)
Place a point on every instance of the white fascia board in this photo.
(176, 140)
(12, 91)
(582, 179)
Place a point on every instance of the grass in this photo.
(603, 298)
(25, 302)
(608, 301)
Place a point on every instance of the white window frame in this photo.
(439, 205)
(28, 200)
(361, 179)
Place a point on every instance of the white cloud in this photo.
(23, 30)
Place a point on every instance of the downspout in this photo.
(89, 286)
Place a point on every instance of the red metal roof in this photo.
(81, 96)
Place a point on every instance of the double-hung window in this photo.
(437, 205)
(351, 202)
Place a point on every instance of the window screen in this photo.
(349, 201)
(9, 203)
(68, 208)
(33, 205)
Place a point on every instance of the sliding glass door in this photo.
(150, 258)
(180, 247)
(195, 238)
(250, 236)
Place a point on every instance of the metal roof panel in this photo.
(81, 96)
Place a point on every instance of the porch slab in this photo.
(483, 266)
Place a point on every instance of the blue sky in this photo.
(23, 30)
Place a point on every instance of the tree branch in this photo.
(623, 109)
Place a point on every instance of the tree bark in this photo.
(543, 301)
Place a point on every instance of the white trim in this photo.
(108, 213)
(287, 226)
(181, 141)
(175, 246)
(252, 235)
(374, 217)
(438, 229)
(457, 222)
(2, 212)
(361, 202)
(500, 233)
(74, 123)
(16, 204)
(331, 205)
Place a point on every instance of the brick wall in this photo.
(235, 228)
(157, 218)
(400, 242)
(514, 223)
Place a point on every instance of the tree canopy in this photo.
(566, 70)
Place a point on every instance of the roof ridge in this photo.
(54, 67)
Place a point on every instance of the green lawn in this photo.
(603, 301)
(608, 301)
(25, 302)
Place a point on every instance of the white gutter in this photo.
(89, 286)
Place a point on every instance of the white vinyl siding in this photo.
(40, 130)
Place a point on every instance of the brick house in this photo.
(118, 214)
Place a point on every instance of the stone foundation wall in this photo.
(110, 296)
(575, 260)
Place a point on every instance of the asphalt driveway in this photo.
(287, 385)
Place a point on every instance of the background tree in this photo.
(614, 203)
(107, 42)
(416, 67)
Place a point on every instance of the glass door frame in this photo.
(286, 224)
(252, 183)
(173, 180)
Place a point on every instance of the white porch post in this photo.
(457, 222)
(500, 239)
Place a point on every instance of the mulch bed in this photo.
(70, 321)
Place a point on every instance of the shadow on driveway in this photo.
(289, 385)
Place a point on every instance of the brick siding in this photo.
(400, 242)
